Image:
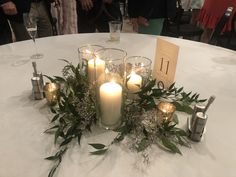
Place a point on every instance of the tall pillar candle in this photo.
(110, 103)
(100, 69)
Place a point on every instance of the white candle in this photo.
(134, 83)
(100, 69)
(110, 103)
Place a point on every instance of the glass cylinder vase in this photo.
(87, 55)
(137, 73)
(110, 88)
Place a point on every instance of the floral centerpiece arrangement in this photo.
(145, 114)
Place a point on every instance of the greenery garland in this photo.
(75, 113)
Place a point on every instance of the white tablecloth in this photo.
(23, 145)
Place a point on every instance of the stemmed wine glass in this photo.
(30, 23)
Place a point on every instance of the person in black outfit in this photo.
(13, 10)
(95, 14)
(5, 31)
(149, 15)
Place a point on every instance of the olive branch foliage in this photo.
(75, 113)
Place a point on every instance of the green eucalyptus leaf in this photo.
(202, 101)
(53, 110)
(64, 60)
(72, 109)
(55, 117)
(182, 141)
(157, 92)
(193, 96)
(148, 86)
(57, 134)
(99, 152)
(180, 89)
(52, 171)
(169, 127)
(124, 129)
(197, 96)
(51, 128)
(171, 86)
(188, 109)
(170, 146)
(183, 108)
(66, 141)
(52, 158)
(180, 132)
(97, 145)
(188, 94)
(60, 79)
(119, 138)
(71, 131)
(49, 78)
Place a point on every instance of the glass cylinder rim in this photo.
(138, 56)
(111, 48)
(84, 46)
(115, 22)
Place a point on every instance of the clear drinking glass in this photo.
(30, 23)
(115, 28)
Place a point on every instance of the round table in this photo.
(201, 68)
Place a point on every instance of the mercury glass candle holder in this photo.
(110, 88)
(137, 72)
(87, 53)
(52, 93)
(165, 112)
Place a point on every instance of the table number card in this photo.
(165, 62)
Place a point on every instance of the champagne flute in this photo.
(30, 23)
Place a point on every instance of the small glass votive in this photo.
(110, 88)
(115, 28)
(137, 72)
(86, 53)
(165, 112)
(52, 93)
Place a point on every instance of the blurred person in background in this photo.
(95, 14)
(210, 15)
(65, 13)
(42, 11)
(195, 6)
(5, 31)
(148, 16)
(12, 11)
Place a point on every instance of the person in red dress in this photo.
(210, 14)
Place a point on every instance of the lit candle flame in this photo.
(88, 51)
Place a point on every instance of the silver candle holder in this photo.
(37, 83)
(197, 123)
